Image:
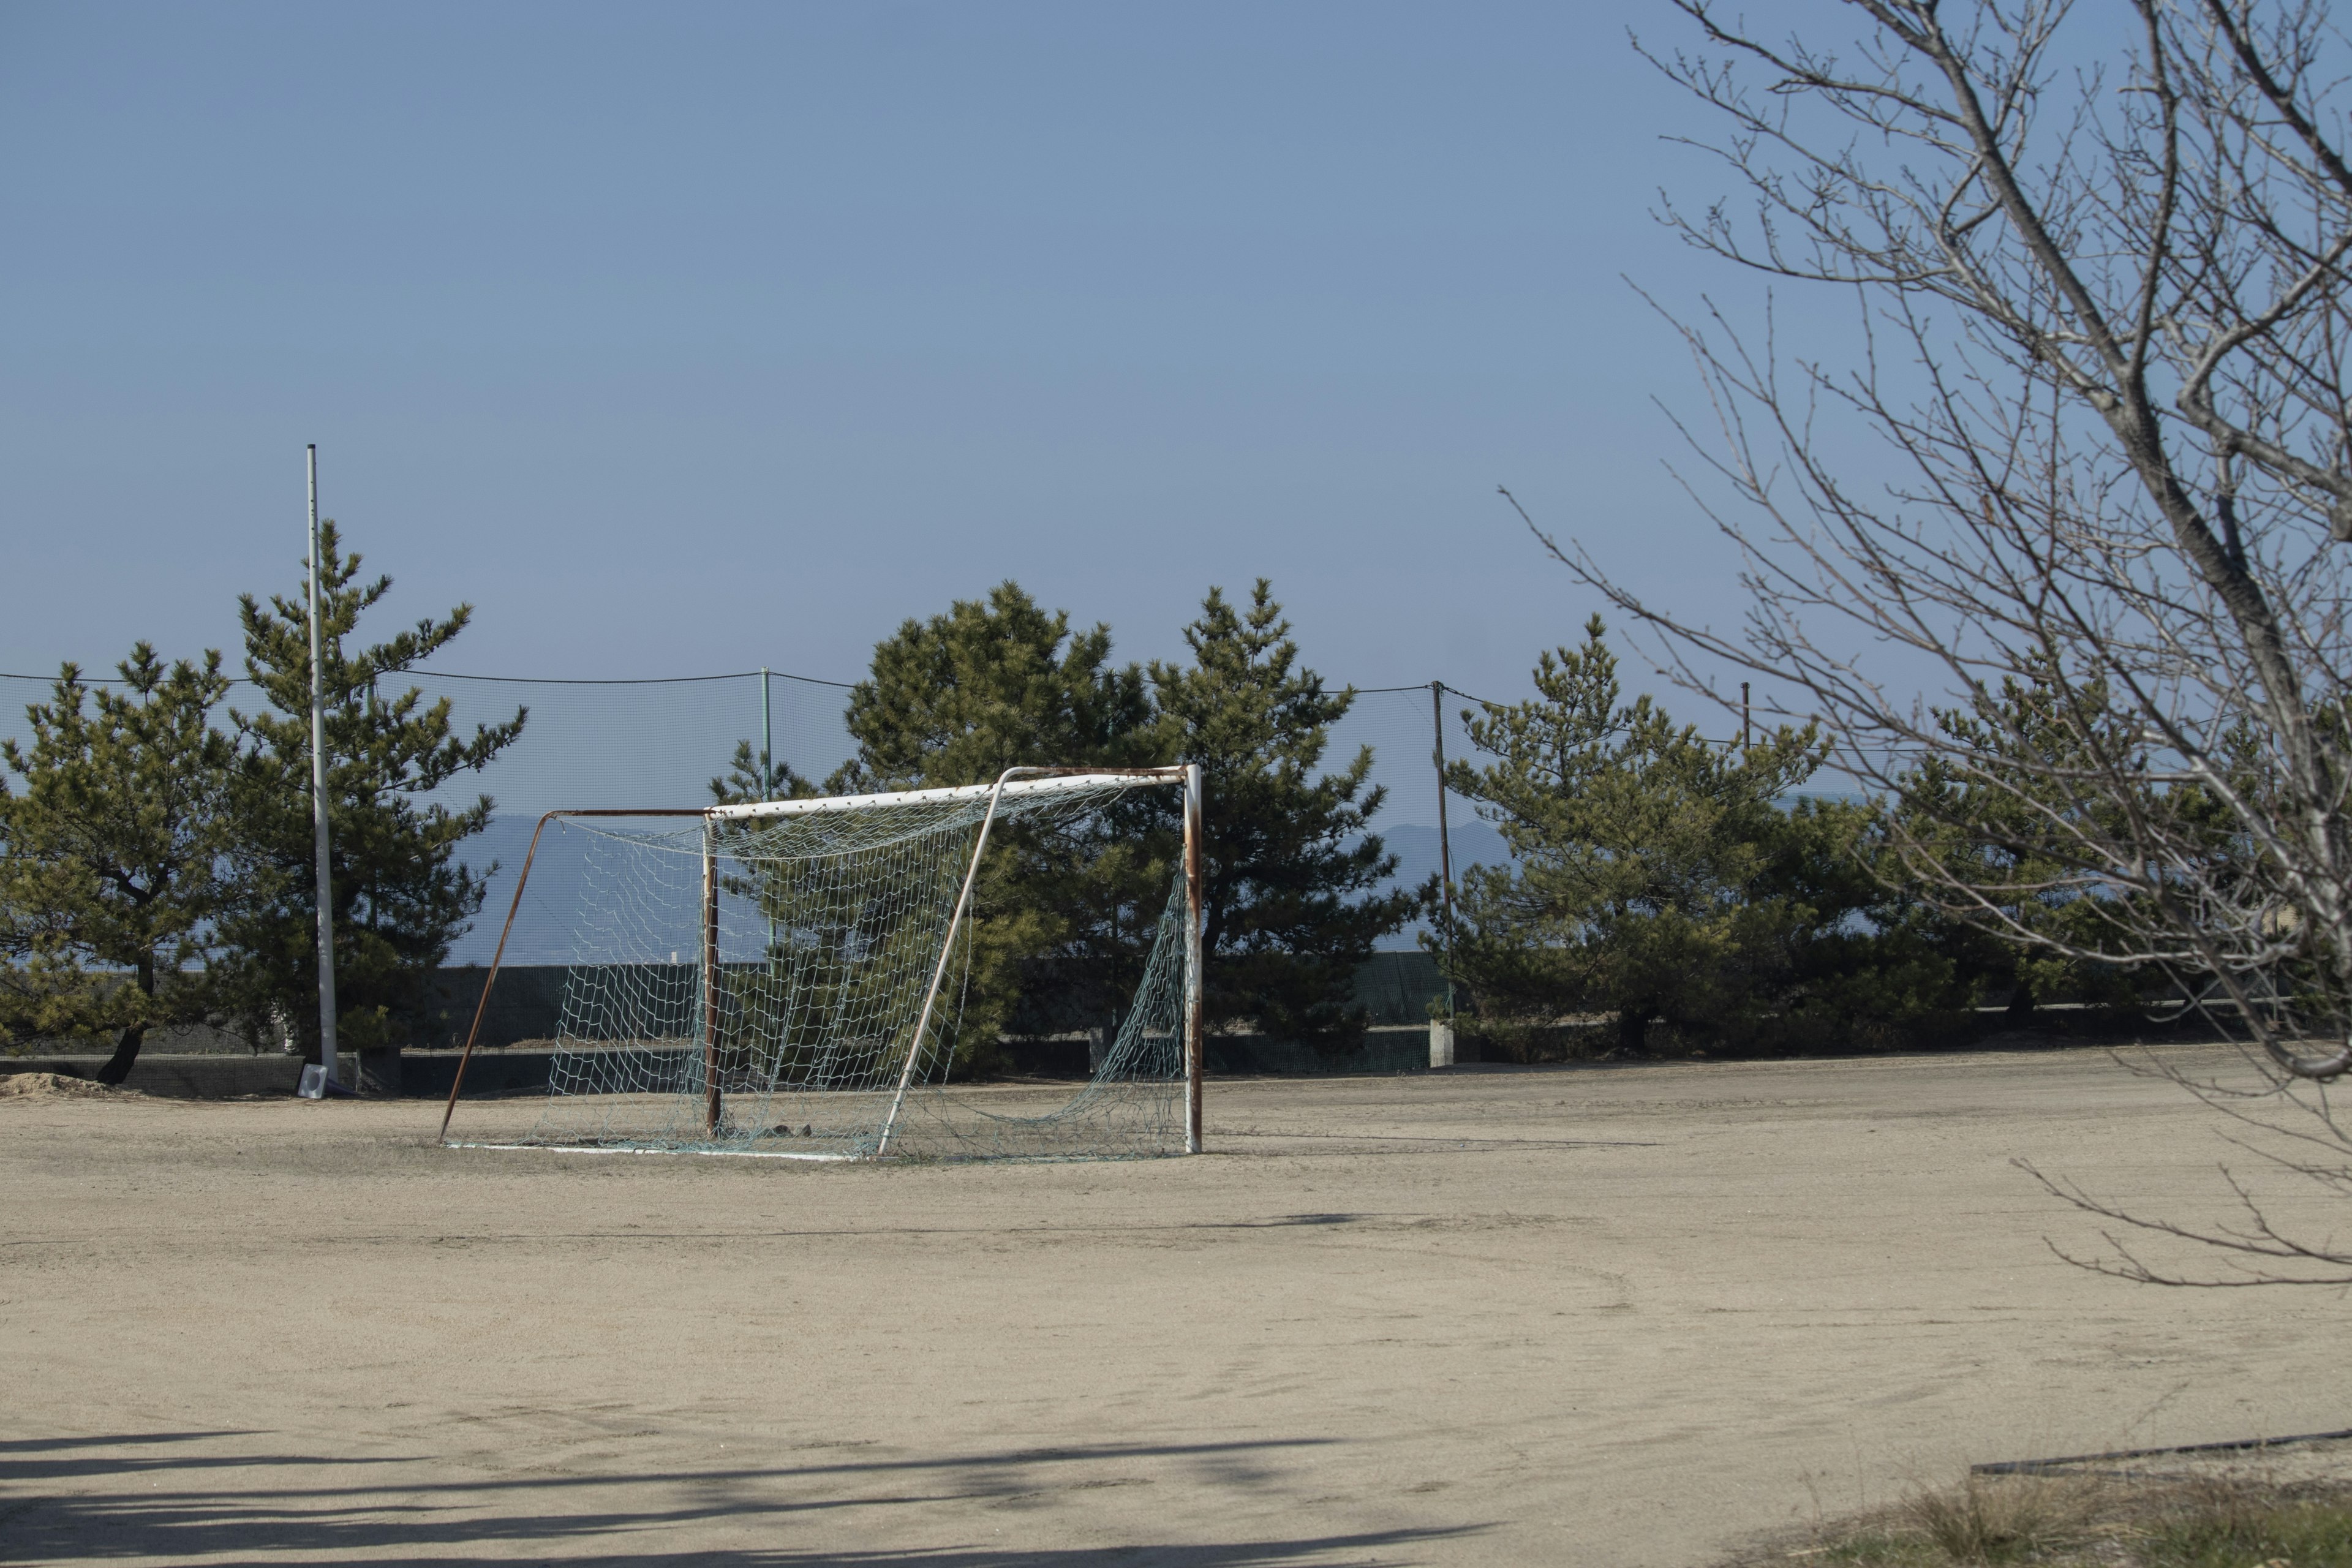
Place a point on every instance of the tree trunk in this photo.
(126, 1051)
(1634, 1030)
(2021, 1001)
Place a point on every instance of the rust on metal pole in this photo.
(483, 1006)
(710, 982)
(458, 1078)
(1194, 879)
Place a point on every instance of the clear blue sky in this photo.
(684, 338)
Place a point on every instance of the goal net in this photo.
(788, 978)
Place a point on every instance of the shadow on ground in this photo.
(215, 1507)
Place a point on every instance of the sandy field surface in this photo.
(1603, 1315)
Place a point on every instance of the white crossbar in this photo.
(1066, 783)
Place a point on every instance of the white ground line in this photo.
(717, 1153)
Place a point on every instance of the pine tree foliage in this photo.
(400, 893)
(2036, 767)
(997, 683)
(1291, 908)
(109, 857)
(994, 683)
(1657, 877)
(754, 775)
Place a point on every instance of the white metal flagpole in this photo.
(318, 800)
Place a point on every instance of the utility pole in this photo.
(318, 800)
(1444, 847)
(1743, 716)
(767, 742)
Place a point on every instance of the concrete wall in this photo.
(526, 1003)
(1398, 987)
(1397, 1047)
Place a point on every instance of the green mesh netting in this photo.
(803, 1038)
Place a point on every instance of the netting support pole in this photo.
(457, 1079)
(710, 1107)
(768, 786)
(1195, 880)
(482, 1008)
(939, 970)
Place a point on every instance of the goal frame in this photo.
(1012, 781)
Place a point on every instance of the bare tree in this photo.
(2100, 267)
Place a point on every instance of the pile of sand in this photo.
(54, 1085)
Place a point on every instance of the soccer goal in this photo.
(787, 978)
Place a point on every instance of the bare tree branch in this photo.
(2106, 317)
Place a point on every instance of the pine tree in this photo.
(2000, 830)
(1290, 911)
(399, 894)
(1657, 876)
(991, 684)
(958, 698)
(753, 775)
(109, 857)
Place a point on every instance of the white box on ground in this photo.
(314, 1082)
(1441, 1043)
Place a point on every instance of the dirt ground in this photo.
(1586, 1315)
